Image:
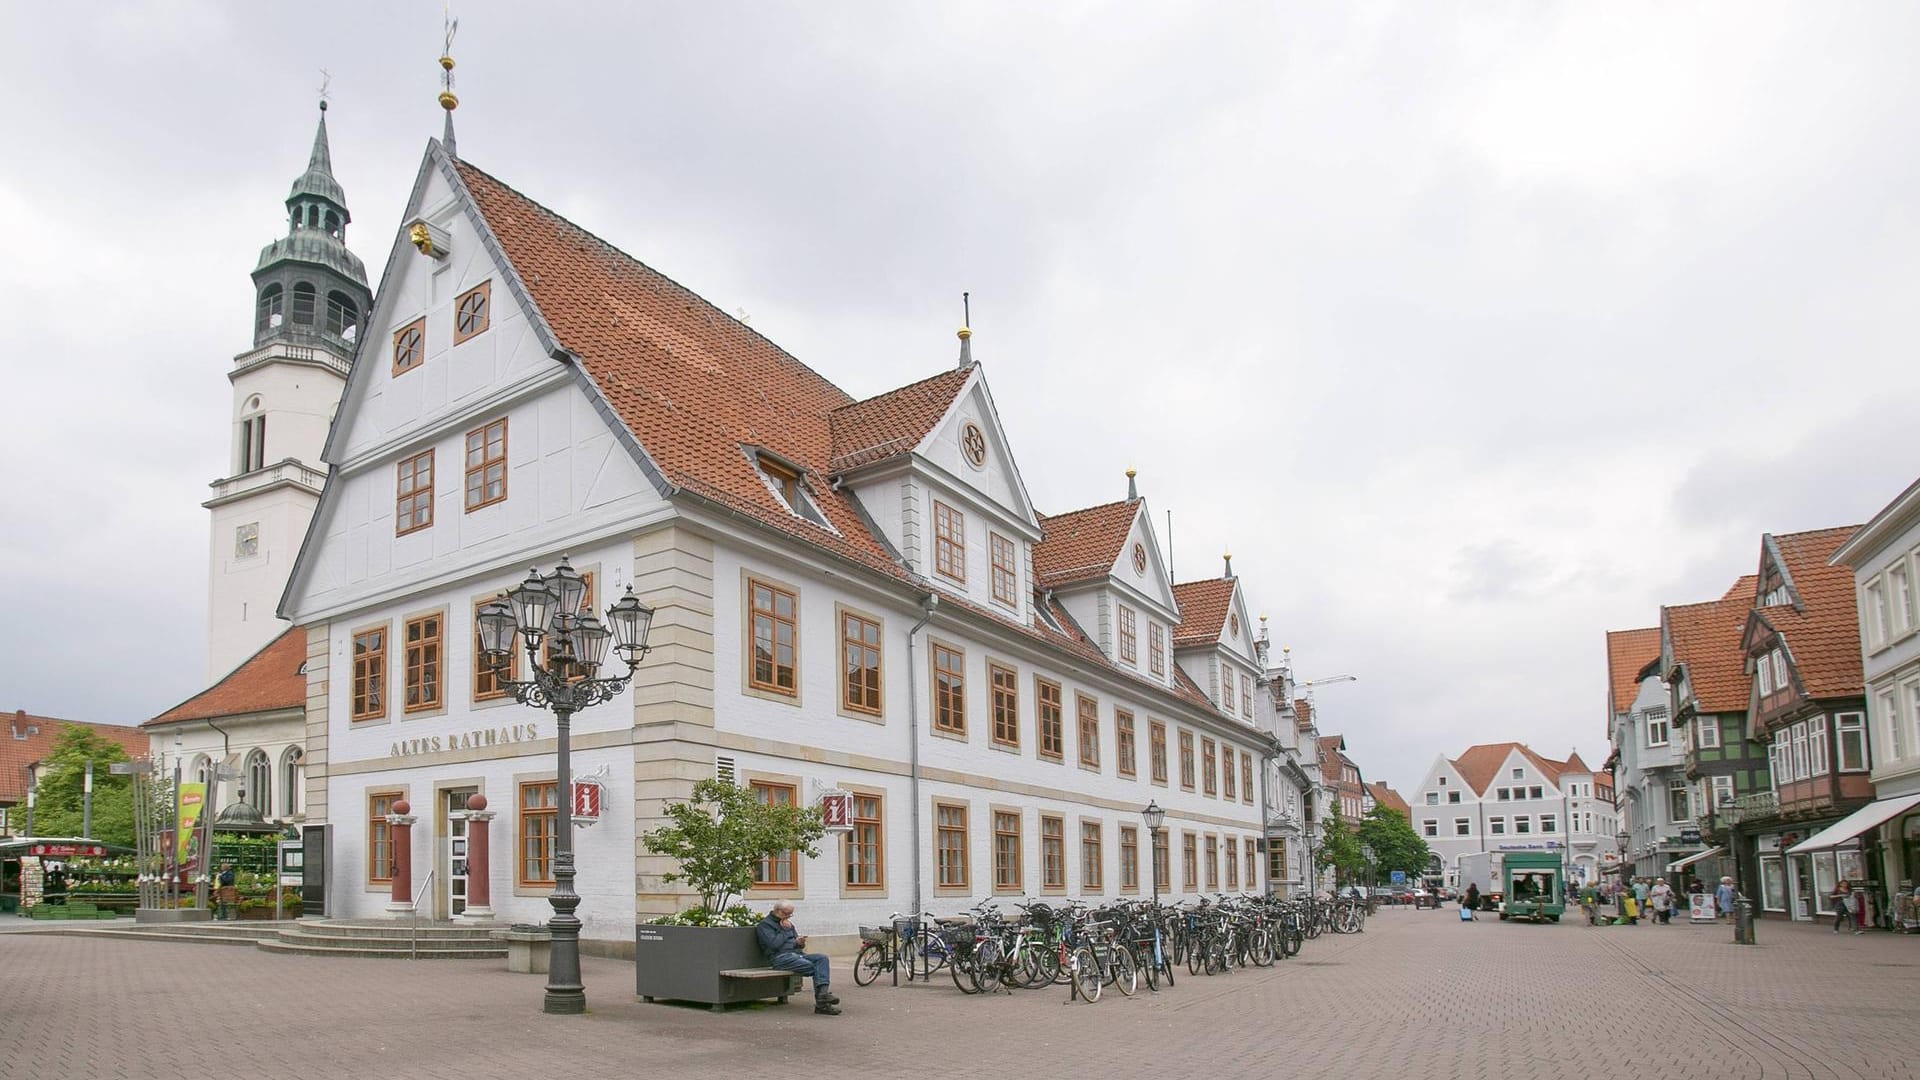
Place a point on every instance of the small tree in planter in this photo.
(718, 837)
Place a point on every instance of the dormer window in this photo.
(786, 482)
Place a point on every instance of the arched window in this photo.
(303, 304)
(259, 776)
(199, 769)
(271, 300)
(293, 775)
(342, 318)
(333, 223)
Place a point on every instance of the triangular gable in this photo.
(1148, 581)
(998, 479)
(1236, 636)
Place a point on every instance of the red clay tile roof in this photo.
(1082, 545)
(1573, 764)
(1628, 653)
(1478, 765)
(1823, 633)
(892, 423)
(1705, 639)
(273, 678)
(37, 737)
(1203, 610)
(1386, 796)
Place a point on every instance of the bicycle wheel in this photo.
(870, 963)
(1143, 962)
(1196, 956)
(1086, 973)
(1125, 973)
(988, 968)
(963, 973)
(1260, 947)
(1039, 963)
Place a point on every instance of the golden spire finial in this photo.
(448, 100)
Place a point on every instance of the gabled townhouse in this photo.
(1345, 786)
(849, 596)
(1292, 788)
(1720, 775)
(1646, 760)
(1885, 557)
(1503, 797)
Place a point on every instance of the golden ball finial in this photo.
(448, 101)
(446, 62)
(1131, 474)
(965, 333)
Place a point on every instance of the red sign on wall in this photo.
(66, 849)
(587, 797)
(836, 810)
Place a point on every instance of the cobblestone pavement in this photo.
(1418, 993)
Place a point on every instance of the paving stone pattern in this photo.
(1419, 993)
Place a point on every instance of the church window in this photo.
(303, 304)
(413, 507)
(333, 224)
(343, 318)
(472, 312)
(487, 464)
(259, 780)
(293, 774)
(272, 300)
(253, 443)
(410, 346)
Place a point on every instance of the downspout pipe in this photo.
(927, 604)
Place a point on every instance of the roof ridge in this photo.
(1087, 509)
(463, 163)
(903, 388)
(1816, 532)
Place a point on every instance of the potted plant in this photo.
(717, 837)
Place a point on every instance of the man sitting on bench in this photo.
(782, 945)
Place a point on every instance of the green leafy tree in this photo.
(57, 810)
(720, 835)
(1394, 843)
(1340, 849)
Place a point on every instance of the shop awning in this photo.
(1867, 817)
(1682, 864)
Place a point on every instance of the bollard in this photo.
(1743, 921)
(479, 861)
(400, 822)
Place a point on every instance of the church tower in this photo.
(310, 298)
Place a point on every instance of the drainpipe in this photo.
(927, 604)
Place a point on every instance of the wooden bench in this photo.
(789, 982)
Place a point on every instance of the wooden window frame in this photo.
(878, 822)
(427, 658)
(368, 669)
(941, 831)
(1160, 850)
(1187, 764)
(1093, 856)
(418, 351)
(487, 681)
(949, 684)
(1086, 712)
(1230, 859)
(487, 461)
(1209, 780)
(1001, 884)
(380, 834)
(854, 682)
(1057, 843)
(484, 322)
(1246, 777)
(774, 621)
(1157, 751)
(1229, 787)
(1129, 858)
(1246, 696)
(1041, 687)
(1129, 637)
(1156, 649)
(521, 812)
(1212, 855)
(949, 543)
(1125, 749)
(789, 858)
(1003, 689)
(1004, 571)
(412, 500)
(1190, 861)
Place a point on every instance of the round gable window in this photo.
(973, 443)
(1139, 558)
(1233, 624)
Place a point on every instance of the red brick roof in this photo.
(1479, 765)
(1386, 796)
(1705, 638)
(892, 423)
(1203, 610)
(1628, 653)
(1823, 632)
(30, 738)
(273, 678)
(1083, 545)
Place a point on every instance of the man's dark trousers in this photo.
(813, 964)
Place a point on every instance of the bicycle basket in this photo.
(875, 934)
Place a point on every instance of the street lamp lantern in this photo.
(563, 677)
(1153, 816)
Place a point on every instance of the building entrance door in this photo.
(453, 865)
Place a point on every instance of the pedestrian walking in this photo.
(1842, 907)
(1723, 899)
(1640, 893)
(1662, 895)
(1590, 904)
(1472, 902)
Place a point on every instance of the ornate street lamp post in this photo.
(564, 677)
(1154, 817)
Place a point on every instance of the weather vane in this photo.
(326, 80)
(452, 25)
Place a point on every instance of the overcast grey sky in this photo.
(1473, 330)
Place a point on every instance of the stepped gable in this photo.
(1822, 629)
(1203, 610)
(1705, 638)
(892, 423)
(691, 383)
(273, 678)
(1628, 654)
(1082, 545)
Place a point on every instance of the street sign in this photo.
(836, 811)
(1397, 877)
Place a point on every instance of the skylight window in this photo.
(787, 484)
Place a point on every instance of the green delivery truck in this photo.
(1533, 886)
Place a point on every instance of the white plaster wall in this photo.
(187, 741)
(243, 593)
(298, 401)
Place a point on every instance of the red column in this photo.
(479, 889)
(400, 826)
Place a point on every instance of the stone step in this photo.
(374, 931)
(163, 935)
(426, 952)
(384, 944)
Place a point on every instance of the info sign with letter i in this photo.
(588, 795)
(836, 811)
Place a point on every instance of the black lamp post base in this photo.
(564, 1001)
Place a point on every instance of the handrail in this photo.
(413, 948)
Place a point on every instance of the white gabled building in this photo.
(852, 595)
(1502, 797)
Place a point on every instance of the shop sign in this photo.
(65, 850)
(1689, 836)
(836, 810)
(588, 796)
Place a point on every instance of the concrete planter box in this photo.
(683, 963)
